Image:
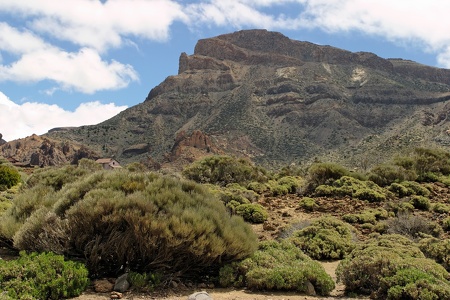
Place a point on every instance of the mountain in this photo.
(259, 94)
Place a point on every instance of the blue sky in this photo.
(79, 62)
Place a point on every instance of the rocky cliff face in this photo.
(259, 94)
(41, 151)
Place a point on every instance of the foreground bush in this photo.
(278, 266)
(42, 276)
(141, 221)
(325, 238)
(392, 267)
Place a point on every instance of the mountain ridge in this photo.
(261, 95)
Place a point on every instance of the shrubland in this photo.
(160, 227)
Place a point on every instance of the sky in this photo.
(80, 62)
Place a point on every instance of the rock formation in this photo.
(259, 94)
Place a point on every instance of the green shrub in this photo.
(367, 216)
(386, 174)
(252, 212)
(258, 187)
(278, 266)
(223, 170)
(144, 221)
(349, 186)
(420, 202)
(9, 176)
(325, 238)
(399, 189)
(144, 282)
(291, 182)
(56, 177)
(308, 204)
(446, 224)
(42, 276)
(392, 267)
(441, 208)
(325, 173)
(277, 189)
(413, 226)
(436, 249)
(416, 188)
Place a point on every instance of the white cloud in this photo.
(95, 24)
(19, 121)
(83, 71)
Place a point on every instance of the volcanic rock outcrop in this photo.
(259, 94)
(42, 151)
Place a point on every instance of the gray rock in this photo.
(200, 296)
(310, 290)
(122, 284)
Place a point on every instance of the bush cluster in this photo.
(325, 238)
(278, 266)
(223, 170)
(353, 187)
(371, 216)
(325, 174)
(42, 276)
(392, 267)
(142, 221)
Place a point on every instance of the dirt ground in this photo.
(230, 294)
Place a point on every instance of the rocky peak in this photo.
(2, 141)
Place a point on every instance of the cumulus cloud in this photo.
(83, 71)
(88, 29)
(97, 24)
(19, 121)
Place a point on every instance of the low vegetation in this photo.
(389, 226)
(393, 267)
(278, 266)
(41, 276)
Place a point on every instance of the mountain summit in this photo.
(259, 94)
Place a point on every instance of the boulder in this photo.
(122, 284)
(200, 296)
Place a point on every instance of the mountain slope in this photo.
(259, 94)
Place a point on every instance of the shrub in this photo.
(252, 212)
(278, 266)
(412, 226)
(292, 183)
(386, 174)
(416, 188)
(441, 208)
(258, 187)
(144, 282)
(308, 204)
(223, 170)
(420, 202)
(436, 249)
(349, 186)
(446, 224)
(368, 216)
(392, 267)
(9, 176)
(325, 173)
(325, 238)
(145, 222)
(42, 276)
(56, 177)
